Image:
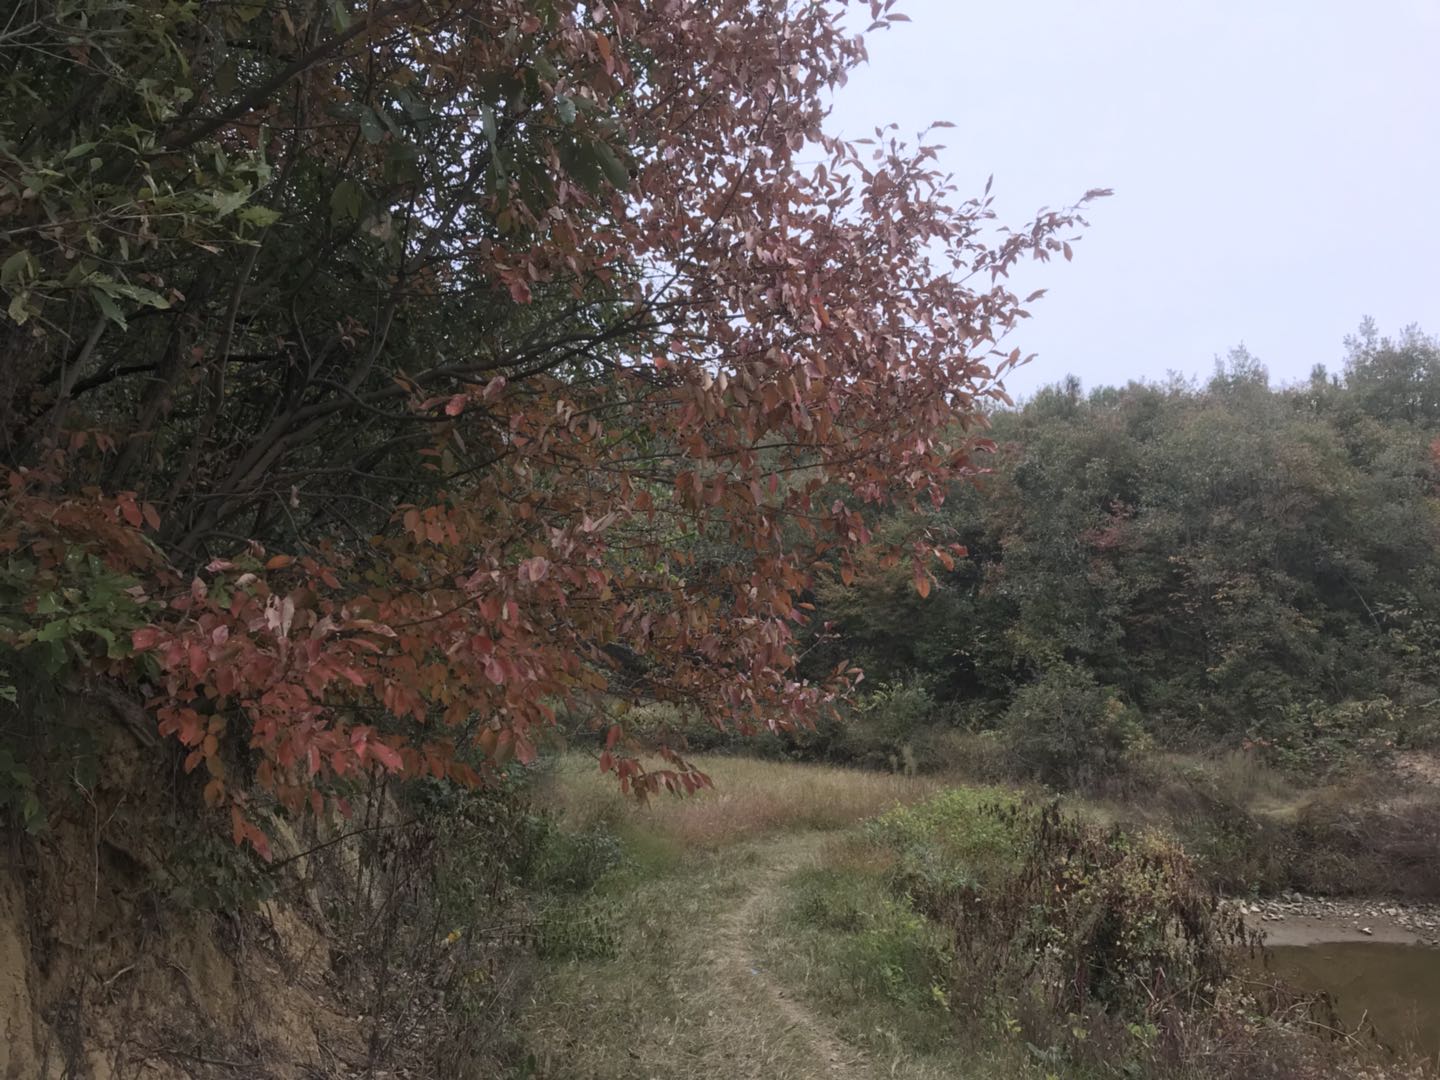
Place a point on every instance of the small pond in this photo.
(1393, 986)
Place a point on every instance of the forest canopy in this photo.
(1224, 564)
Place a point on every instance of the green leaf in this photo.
(346, 201)
(582, 167)
(400, 162)
(614, 168)
(263, 216)
(227, 202)
(414, 107)
(108, 307)
(227, 74)
(140, 294)
(492, 137)
(370, 126)
(19, 309)
(15, 266)
(54, 631)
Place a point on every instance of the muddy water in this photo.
(1395, 987)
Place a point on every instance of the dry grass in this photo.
(750, 798)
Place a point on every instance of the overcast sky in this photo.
(1276, 166)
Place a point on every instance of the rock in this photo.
(1366, 930)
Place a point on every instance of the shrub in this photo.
(1059, 918)
(981, 756)
(574, 861)
(892, 728)
(959, 845)
(1316, 739)
(1068, 731)
(1101, 952)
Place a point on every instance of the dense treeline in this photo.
(1184, 564)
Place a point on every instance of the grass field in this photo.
(751, 798)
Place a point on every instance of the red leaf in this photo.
(128, 510)
(386, 755)
(524, 750)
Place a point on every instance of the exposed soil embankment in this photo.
(103, 975)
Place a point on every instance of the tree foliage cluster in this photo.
(386, 377)
(1228, 564)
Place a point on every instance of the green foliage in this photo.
(17, 792)
(952, 844)
(204, 871)
(574, 861)
(74, 610)
(1312, 737)
(1058, 929)
(577, 876)
(579, 928)
(1068, 731)
(666, 723)
(883, 949)
(889, 720)
(1234, 561)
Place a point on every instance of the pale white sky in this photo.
(1276, 166)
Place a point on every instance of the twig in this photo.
(335, 840)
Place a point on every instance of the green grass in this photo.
(862, 953)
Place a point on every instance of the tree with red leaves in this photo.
(420, 368)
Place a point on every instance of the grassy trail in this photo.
(686, 993)
(733, 958)
(678, 982)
